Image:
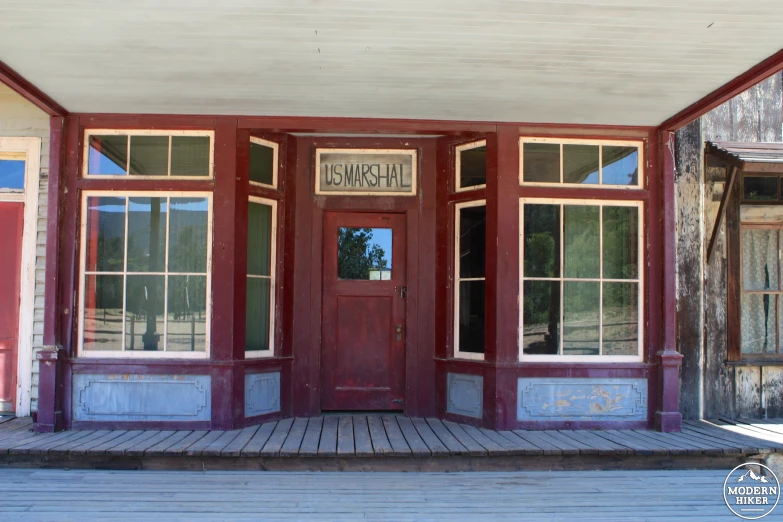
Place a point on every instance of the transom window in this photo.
(263, 162)
(581, 280)
(471, 166)
(12, 167)
(148, 153)
(547, 161)
(145, 283)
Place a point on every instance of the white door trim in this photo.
(24, 365)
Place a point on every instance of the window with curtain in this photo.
(762, 287)
(259, 312)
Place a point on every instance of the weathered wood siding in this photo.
(21, 119)
(711, 388)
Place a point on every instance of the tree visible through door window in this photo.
(364, 253)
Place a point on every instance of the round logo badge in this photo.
(751, 491)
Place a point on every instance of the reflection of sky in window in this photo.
(622, 172)
(383, 238)
(102, 165)
(12, 174)
(591, 178)
(196, 205)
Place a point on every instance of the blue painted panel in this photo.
(262, 393)
(554, 399)
(99, 397)
(465, 394)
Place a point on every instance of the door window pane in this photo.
(473, 166)
(146, 234)
(144, 312)
(186, 314)
(580, 164)
(190, 155)
(541, 333)
(541, 162)
(472, 241)
(262, 163)
(542, 240)
(620, 321)
(581, 241)
(103, 312)
(471, 316)
(257, 314)
(621, 242)
(188, 234)
(105, 234)
(11, 174)
(149, 155)
(364, 253)
(581, 311)
(620, 165)
(108, 155)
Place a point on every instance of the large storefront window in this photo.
(581, 280)
(145, 274)
(469, 302)
(259, 312)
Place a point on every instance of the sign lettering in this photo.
(383, 172)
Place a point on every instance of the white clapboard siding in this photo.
(20, 119)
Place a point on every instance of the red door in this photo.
(12, 220)
(363, 312)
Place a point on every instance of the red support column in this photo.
(668, 417)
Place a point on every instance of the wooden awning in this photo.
(748, 157)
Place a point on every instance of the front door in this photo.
(363, 312)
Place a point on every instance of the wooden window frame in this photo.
(458, 165)
(458, 354)
(141, 354)
(639, 280)
(261, 354)
(275, 159)
(640, 182)
(146, 132)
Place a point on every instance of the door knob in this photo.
(399, 332)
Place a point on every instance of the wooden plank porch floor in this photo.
(356, 440)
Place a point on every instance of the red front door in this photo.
(363, 312)
(12, 220)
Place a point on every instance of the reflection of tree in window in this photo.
(357, 254)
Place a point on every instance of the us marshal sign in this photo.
(363, 172)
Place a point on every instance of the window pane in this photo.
(542, 240)
(364, 253)
(257, 314)
(262, 161)
(541, 162)
(472, 241)
(541, 317)
(146, 234)
(581, 241)
(620, 165)
(758, 323)
(108, 155)
(12, 174)
(473, 167)
(186, 330)
(105, 234)
(144, 312)
(580, 164)
(188, 235)
(581, 308)
(189, 155)
(103, 312)
(149, 155)
(621, 242)
(760, 259)
(259, 239)
(621, 319)
(760, 188)
(471, 316)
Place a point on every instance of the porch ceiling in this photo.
(620, 62)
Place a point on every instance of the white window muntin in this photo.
(147, 132)
(257, 354)
(458, 165)
(142, 354)
(639, 280)
(275, 150)
(572, 141)
(458, 354)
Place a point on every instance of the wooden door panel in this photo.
(362, 358)
(12, 219)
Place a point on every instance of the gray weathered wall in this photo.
(709, 387)
(20, 119)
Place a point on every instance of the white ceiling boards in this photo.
(617, 62)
